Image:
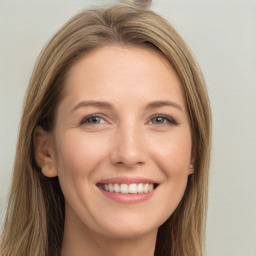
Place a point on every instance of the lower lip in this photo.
(128, 198)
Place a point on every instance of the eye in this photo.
(93, 120)
(162, 120)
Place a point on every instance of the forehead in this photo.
(112, 72)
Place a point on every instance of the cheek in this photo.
(173, 154)
(79, 154)
(78, 150)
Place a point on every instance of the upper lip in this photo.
(127, 180)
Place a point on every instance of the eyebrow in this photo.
(162, 103)
(101, 104)
(107, 105)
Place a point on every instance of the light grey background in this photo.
(222, 34)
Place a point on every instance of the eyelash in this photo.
(85, 120)
(169, 119)
(166, 118)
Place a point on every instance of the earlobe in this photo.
(44, 152)
(191, 168)
(49, 170)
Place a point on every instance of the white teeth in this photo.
(140, 188)
(133, 189)
(146, 188)
(128, 189)
(116, 188)
(124, 189)
(150, 187)
(110, 188)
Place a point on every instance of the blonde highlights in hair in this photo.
(35, 216)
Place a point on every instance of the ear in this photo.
(44, 152)
(190, 168)
(191, 164)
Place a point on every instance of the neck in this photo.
(84, 242)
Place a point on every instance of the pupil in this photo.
(158, 120)
(94, 120)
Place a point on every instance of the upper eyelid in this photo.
(103, 116)
(93, 115)
(162, 115)
(169, 118)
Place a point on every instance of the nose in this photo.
(129, 147)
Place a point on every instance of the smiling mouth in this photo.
(134, 188)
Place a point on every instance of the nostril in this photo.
(129, 164)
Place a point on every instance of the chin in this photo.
(130, 231)
(131, 225)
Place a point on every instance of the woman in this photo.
(113, 152)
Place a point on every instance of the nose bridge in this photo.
(129, 145)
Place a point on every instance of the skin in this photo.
(128, 139)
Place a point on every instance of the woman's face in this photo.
(122, 120)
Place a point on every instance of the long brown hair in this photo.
(35, 216)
